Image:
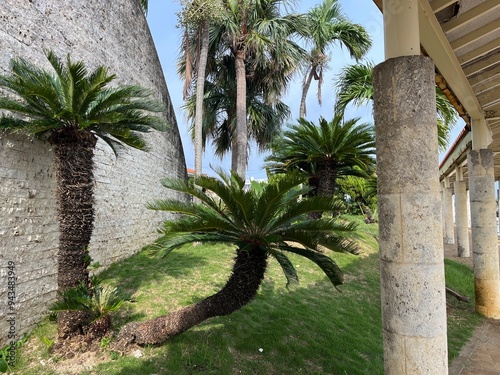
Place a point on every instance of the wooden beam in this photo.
(484, 77)
(438, 5)
(437, 46)
(480, 33)
(484, 63)
(480, 51)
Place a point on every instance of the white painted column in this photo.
(401, 29)
(483, 222)
(461, 214)
(447, 207)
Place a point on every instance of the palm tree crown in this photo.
(264, 115)
(326, 25)
(269, 217)
(325, 152)
(75, 101)
(259, 39)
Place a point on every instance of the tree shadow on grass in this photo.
(141, 269)
(155, 285)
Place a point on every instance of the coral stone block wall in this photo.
(110, 33)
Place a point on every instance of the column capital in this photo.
(459, 173)
(481, 134)
(401, 28)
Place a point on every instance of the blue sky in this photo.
(162, 21)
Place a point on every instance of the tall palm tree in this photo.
(264, 115)
(325, 152)
(327, 25)
(355, 85)
(265, 221)
(198, 16)
(255, 34)
(71, 109)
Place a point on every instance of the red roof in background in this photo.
(192, 171)
(462, 134)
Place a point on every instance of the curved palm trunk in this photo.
(239, 161)
(305, 90)
(74, 151)
(247, 275)
(200, 91)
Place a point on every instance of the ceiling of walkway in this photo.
(463, 39)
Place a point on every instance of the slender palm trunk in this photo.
(305, 89)
(240, 160)
(200, 91)
(248, 273)
(74, 151)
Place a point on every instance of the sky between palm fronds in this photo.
(162, 20)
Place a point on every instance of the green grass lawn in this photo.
(310, 329)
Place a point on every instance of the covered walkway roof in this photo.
(463, 39)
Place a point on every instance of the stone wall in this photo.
(110, 33)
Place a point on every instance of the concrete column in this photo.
(484, 232)
(447, 207)
(411, 244)
(461, 215)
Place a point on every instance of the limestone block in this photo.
(414, 355)
(487, 297)
(390, 235)
(410, 228)
(483, 216)
(411, 93)
(480, 162)
(413, 298)
(486, 265)
(482, 190)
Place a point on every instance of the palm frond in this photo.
(327, 265)
(287, 267)
(354, 85)
(171, 242)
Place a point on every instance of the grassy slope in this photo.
(311, 329)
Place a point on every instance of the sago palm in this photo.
(355, 85)
(325, 152)
(327, 25)
(70, 108)
(262, 222)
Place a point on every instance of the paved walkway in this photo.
(481, 354)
